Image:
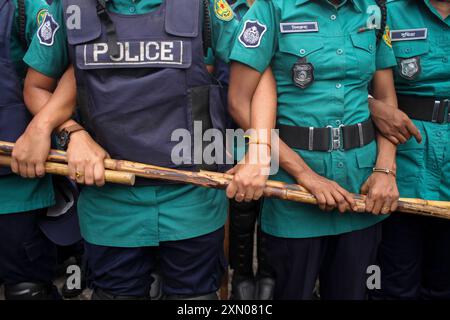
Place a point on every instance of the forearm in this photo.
(51, 109)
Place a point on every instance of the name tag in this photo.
(409, 34)
(299, 27)
(135, 54)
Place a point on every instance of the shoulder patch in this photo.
(387, 37)
(223, 10)
(47, 29)
(252, 34)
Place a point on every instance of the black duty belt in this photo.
(425, 108)
(328, 138)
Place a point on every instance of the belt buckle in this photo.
(335, 134)
(446, 103)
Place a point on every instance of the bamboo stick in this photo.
(60, 169)
(277, 189)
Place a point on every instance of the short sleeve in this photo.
(385, 54)
(45, 30)
(223, 24)
(256, 39)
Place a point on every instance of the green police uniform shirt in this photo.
(145, 216)
(46, 53)
(421, 42)
(341, 46)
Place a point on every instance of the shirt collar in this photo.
(356, 3)
(239, 3)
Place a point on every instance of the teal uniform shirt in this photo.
(18, 194)
(278, 33)
(145, 216)
(240, 8)
(423, 169)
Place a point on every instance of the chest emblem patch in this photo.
(252, 34)
(410, 68)
(303, 73)
(47, 30)
(223, 10)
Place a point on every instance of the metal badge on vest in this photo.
(14, 116)
(157, 84)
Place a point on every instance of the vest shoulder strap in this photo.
(22, 22)
(207, 31)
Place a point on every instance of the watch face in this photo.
(63, 139)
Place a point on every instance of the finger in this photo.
(72, 171)
(378, 205)
(79, 175)
(249, 193)
(401, 138)
(258, 194)
(342, 204)
(369, 203)
(231, 190)
(23, 169)
(14, 165)
(386, 208)
(405, 132)
(394, 205)
(394, 140)
(31, 171)
(231, 171)
(40, 169)
(239, 196)
(99, 174)
(89, 174)
(347, 196)
(331, 203)
(321, 201)
(365, 188)
(415, 132)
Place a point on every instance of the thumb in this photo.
(365, 187)
(232, 171)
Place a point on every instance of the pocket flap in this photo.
(364, 40)
(82, 23)
(408, 49)
(182, 17)
(300, 46)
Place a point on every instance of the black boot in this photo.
(242, 230)
(31, 291)
(265, 282)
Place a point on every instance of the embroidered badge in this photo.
(223, 10)
(47, 30)
(252, 34)
(410, 68)
(41, 16)
(409, 34)
(298, 27)
(387, 37)
(303, 73)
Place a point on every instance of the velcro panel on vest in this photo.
(136, 54)
(82, 23)
(182, 17)
(6, 15)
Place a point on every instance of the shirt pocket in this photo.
(416, 50)
(293, 47)
(364, 48)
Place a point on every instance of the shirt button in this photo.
(333, 17)
(339, 51)
(407, 50)
(132, 9)
(338, 122)
(340, 165)
(445, 60)
(439, 133)
(302, 51)
(371, 47)
(338, 85)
